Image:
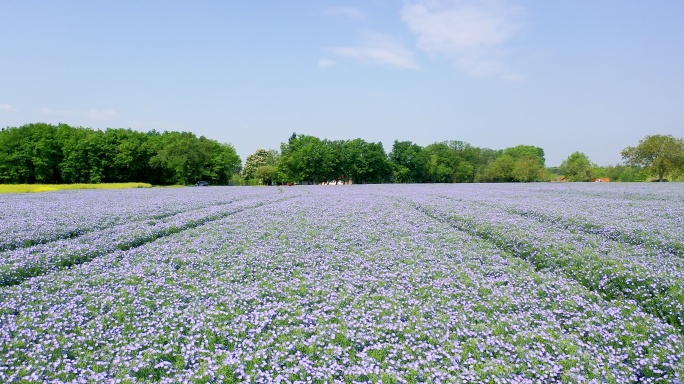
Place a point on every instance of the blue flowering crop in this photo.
(532, 283)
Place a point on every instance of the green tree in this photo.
(258, 159)
(520, 163)
(500, 170)
(84, 154)
(577, 167)
(43, 153)
(182, 158)
(528, 169)
(663, 155)
(482, 158)
(522, 151)
(446, 165)
(30, 154)
(129, 153)
(410, 162)
(224, 162)
(268, 174)
(475, 158)
(308, 158)
(363, 162)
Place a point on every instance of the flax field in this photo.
(454, 283)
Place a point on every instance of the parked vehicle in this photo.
(202, 184)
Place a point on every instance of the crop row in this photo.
(644, 272)
(31, 219)
(20, 264)
(349, 284)
(636, 214)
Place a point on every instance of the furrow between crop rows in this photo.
(102, 223)
(22, 264)
(611, 233)
(657, 294)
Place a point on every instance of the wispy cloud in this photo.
(90, 114)
(379, 49)
(346, 12)
(473, 33)
(326, 63)
(6, 108)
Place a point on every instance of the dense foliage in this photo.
(260, 158)
(49, 154)
(662, 155)
(578, 167)
(310, 159)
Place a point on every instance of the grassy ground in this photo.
(29, 188)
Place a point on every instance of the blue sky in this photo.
(589, 76)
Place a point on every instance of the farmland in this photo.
(495, 283)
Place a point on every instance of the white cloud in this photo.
(6, 108)
(346, 12)
(379, 49)
(470, 32)
(90, 114)
(326, 63)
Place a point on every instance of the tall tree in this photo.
(223, 162)
(500, 170)
(44, 153)
(268, 174)
(520, 163)
(475, 158)
(528, 169)
(130, 154)
(409, 162)
(522, 151)
(663, 155)
(84, 156)
(308, 158)
(185, 158)
(446, 165)
(30, 154)
(181, 156)
(363, 162)
(258, 159)
(577, 167)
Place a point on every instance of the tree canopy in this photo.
(310, 159)
(663, 155)
(44, 153)
(260, 158)
(409, 162)
(523, 163)
(577, 167)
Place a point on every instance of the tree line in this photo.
(313, 160)
(656, 157)
(55, 154)
(44, 153)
